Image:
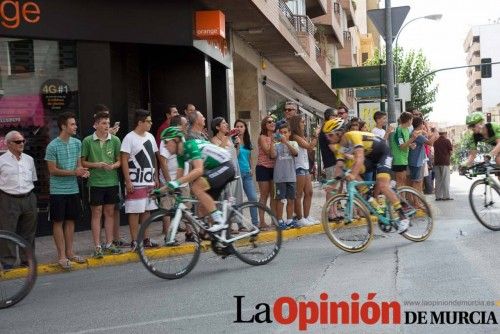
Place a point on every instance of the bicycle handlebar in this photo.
(478, 169)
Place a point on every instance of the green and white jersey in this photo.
(196, 149)
(493, 135)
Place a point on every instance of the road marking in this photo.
(159, 321)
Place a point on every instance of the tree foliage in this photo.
(410, 67)
(462, 148)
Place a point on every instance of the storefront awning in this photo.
(306, 104)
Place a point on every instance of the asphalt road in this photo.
(457, 263)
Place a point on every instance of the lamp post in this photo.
(433, 17)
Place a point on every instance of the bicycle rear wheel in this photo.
(418, 212)
(168, 261)
(255, 249)
(485, 203)
(18, 271)
(353, 236)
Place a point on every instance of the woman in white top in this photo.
(304, 184)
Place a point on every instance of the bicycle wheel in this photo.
(418, 212)
(353, 236)
(255, 249)
(168, 261)
(18, 271)
(485, 203)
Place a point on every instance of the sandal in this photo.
(64, 264)
(77, 259)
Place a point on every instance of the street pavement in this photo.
(457, 263)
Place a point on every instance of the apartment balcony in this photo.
(346, 54)
(285, 39)
(331, 21)
(474, 47)
(474, 79)
(348, 7)
(474, 91)
(315, 8)
(476, 105)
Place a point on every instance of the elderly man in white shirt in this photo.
(18, 204)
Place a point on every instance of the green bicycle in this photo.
(348, 218)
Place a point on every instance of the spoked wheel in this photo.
(351, 236)
(168, 261)
(418, 212)
(260, 248)
(17, 269)
(485, 203)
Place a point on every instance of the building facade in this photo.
(482, 42)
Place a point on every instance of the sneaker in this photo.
(312, 220)
(98, 254)
(112, 249)
(292, 224)
(148, 243)
(282, 225)
(402, 225)
(121, 243)
(133, 246)
(303, 222)
(217, 226)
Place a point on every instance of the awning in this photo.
(306, 104)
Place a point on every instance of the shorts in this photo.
(103, 195)
(329, 171)
(65, 207)
(139, 201)
(416, 173)
(284, 190)
(263, 174)
(218, 177)
(301, 172)
(399, 168)
(379, 160)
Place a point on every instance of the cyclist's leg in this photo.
(199, 188)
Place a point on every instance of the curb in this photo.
(131, 257)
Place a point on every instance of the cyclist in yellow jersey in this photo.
(369, 153)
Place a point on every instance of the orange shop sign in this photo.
(210, 24)
(13, 13)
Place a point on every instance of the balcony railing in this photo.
(347, 35)
(304, 24)
(336, 8)
(286, 11)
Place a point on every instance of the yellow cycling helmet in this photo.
(333, 125)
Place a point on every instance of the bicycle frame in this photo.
(353, 193)
(180, 209)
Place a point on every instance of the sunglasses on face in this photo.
(18, 141)
(289, 109)
(270, 121)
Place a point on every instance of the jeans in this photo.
(249, 188)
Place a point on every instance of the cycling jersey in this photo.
(196, 149)
(493, 134)
(376, 151)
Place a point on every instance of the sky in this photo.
(442, 43)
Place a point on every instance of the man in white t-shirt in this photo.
(381, 121)
(138, 154)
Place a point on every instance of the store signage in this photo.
(56, 94)
(210, 25)
(13, 13)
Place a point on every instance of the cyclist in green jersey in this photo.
(211, 170)
(483, 132)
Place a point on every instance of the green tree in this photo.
(410, 67)
(462, 148)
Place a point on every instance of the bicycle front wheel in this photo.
(168, 261)
(351, 236)
(17, 269)
(485, 203)
(260, 248)
(418, 212)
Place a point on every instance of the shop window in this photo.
(21, 57)
(67, 54)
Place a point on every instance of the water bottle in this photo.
(373, 202)
(381, 202)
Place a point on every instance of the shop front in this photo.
(58, 55)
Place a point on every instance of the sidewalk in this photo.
(47, 256)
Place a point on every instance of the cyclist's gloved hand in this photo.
(173, 185)
(155, 192)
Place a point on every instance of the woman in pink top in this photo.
(265, 164)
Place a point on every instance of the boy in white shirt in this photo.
(381, 121)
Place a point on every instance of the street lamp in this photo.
(433, 17)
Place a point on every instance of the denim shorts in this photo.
(301, 172)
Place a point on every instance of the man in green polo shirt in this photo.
(101, 155)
